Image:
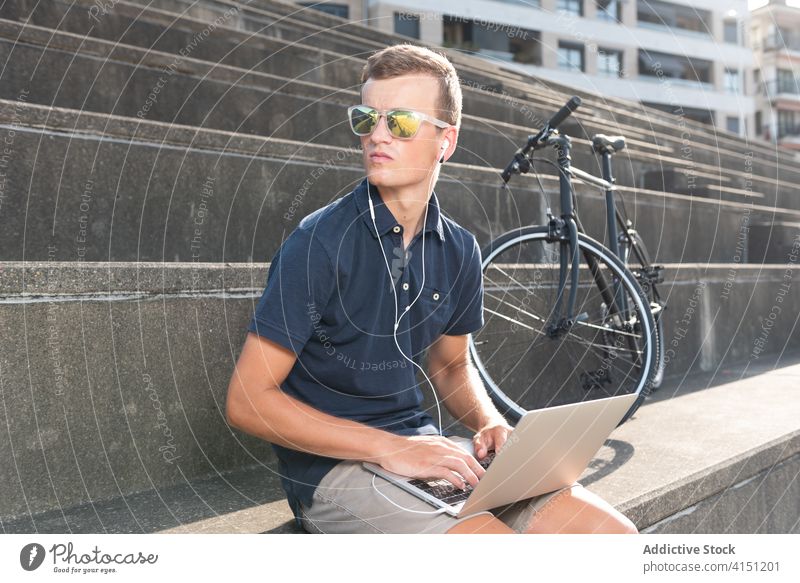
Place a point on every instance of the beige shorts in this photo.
(346, 502)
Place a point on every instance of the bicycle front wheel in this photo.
(634, 255)
(528, 363)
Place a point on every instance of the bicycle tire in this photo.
(638, 264)
(503, 382)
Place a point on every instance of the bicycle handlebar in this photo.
(520, 163)
(563, 113)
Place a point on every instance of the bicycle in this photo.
(614, 344)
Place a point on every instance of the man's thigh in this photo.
(351, 499)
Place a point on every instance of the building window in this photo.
(526, 48)
(570, 6)
(609, 63)
(787, 123)
(732, 124)
(759, 130)
(666, 16)
(340, 10)
(674, 67)
(786, 82)
(570, 56)
(609, 10)
(507, 43)
(406, 24)
(732, 84)
(730, 32)
(701, 115)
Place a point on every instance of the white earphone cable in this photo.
(394, 292)
(397, 320)
(403, 507)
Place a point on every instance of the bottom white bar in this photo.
(390, 558)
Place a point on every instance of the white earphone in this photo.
(445, 145)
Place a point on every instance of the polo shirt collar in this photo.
(384, 218)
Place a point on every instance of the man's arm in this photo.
(257, 405)
(458, 383)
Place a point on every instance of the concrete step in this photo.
(150, 25)
(205, 94)
(116, 382)
(711, 452)
(111, 188)
(756, 177)
(247, 500)
(283, 108)
(117, 424)
(506, 81)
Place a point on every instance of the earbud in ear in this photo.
(445, 145)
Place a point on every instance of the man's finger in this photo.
(466, 467)
(503, 438)
(477, 445)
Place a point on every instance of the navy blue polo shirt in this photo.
(328, 298)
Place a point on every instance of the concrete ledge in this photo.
(721, 459)
(113, 383)
(696, 458)
(248, 500)
(116, 378)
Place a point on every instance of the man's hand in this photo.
(433, 456)
(491, 436)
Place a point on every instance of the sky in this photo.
(756, 3)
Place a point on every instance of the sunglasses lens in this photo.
(363, 120)
(403, 124)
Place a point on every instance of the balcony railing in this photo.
(788, 41)
(678, 82)
(700, 34)
(780, 86)
(788, 131)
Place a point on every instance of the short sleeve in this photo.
(300, 282)
(468, 315)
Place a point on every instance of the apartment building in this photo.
(690, 57)
(775, 33)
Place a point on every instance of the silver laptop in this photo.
(549, 449)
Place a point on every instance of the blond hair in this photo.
(404, 59)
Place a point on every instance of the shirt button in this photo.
(396, 228)
(405, 286)
(436, 296)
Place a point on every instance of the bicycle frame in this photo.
(569, 222)
(614, 218)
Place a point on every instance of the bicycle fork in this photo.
(564, 230)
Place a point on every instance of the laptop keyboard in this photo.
(444, 490)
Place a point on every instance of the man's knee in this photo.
(626, 526)
(614, 522)
(482, 524)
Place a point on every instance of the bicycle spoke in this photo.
(535, 317)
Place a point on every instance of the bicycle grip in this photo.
(563, 113)
(506, 174)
